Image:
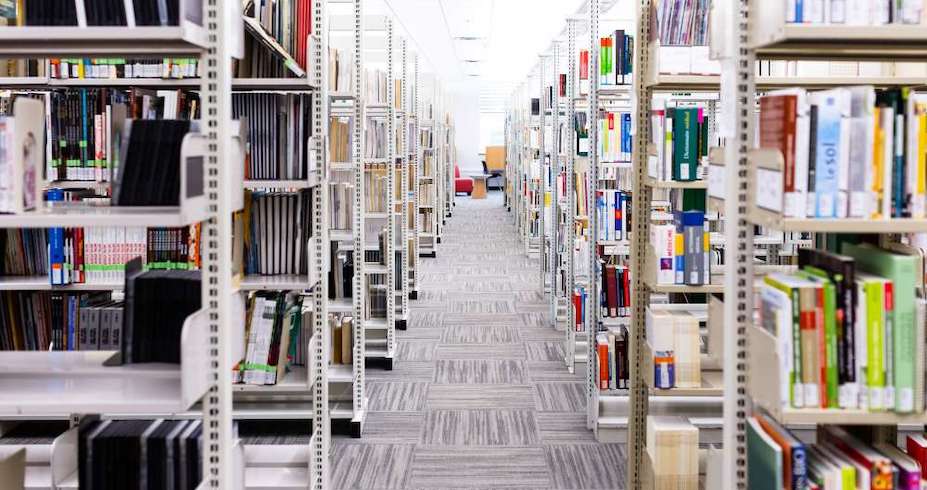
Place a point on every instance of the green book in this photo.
(685, 143)
(764, 459)
(901, 270)
(870, 334)
(830, 332)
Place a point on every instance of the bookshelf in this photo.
(751, 387)
(189, 390)
(347, 29)
(429, 130)
(401, 206)
(413, 253)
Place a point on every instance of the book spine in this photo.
(827, 158)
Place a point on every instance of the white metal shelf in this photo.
(35, 41)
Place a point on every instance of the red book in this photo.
(611, 290)
(578, 308)
(777, 131)
(563, 84)
(627, 290)
(584, 64)
(602, 351)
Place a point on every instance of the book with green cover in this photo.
(901, 270)
(830, 333)
(803, 394)
(764, 459)
(870, 329)
(685, 143)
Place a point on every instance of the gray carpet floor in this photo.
(479, 397)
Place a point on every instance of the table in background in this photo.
(479, 187)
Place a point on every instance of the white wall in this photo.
(466, 111)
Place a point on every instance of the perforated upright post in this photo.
(570, 347)
(216, 94)
(321, 422)
(357, 156)
(417, 165)
(404, 183)
(640, 200)
(555, 195)
(592, 307)
(738, 281)
(390, 193)
(542, 164)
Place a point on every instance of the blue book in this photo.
(827, 155)
(626, 133)
(619, 215)
(679, 251)
(72, 311)
(600, 212)
(56, 259)
(799, 11)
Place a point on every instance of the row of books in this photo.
(615, 289)
(95, 13)
(426, 194)
(579, 298)
(848, 152)
(38, 321)
(675, 340)
(841, 459)
(847, 328)
(616, 59)
(157, 304)
(611, 352)
(682, 249)
(673, 450)
(613, 208)
(278, 226)
(683, 22)
(679, 131)
(340, 69)
(376, 138)
(376, 184)
(95, 255)
(138, 454)
(279, 129)
(122, 68)
(376, 86)
(340, 130)
(342, 335)
(859, 12)
(807, 68)
(341, 273)
(275, 325)
(341, 205)
(287, 21)
(376, 296)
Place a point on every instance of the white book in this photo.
(778, 305)
(250, 349)
(887, 120)
(916, 165)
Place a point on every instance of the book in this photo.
(794, 459)
(765, 464)
(672, 445)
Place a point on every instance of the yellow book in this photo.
(878, 167)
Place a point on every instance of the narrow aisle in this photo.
(479, 396)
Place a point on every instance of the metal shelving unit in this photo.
(349, 403)
(402, 160)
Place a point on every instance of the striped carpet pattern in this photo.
(479, 397)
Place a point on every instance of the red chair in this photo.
(462, 184)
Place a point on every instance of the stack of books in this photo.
(341, 205)
(849, 152)
(675, 340)
(340, 130)
(375, 184)
(682, 249)
(376, 138)
(615, 288)
(157, 304)
(342, 335)
(613, 208)
(672, 445)
(616, 57)
(839, 460)
(847, 327)
(277, 232)
(276, 326)
(278, 134)
(41, 320)
(611, 352)
(119, 68)
(683, 22)
(615, 137)
(679, 131)
(340, 64)
(376, 86)
(580, 297)
(122, 453)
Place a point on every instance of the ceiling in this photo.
(480, 46)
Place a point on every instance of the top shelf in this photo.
(810, 41)
(40, 41)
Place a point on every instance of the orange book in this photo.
(601, 348)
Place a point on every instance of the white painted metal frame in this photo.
(542, 163)
(555, 163)
(357, 157)
(592, 310)
(390, 193)
(570, 240)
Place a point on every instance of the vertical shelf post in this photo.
(216, 94)
(592, 310)
(569, 241)
(542, 165)
(639, 393)
(357, 155)
(321, 422)
(390, 193)
(555, 196)
(738, 280)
